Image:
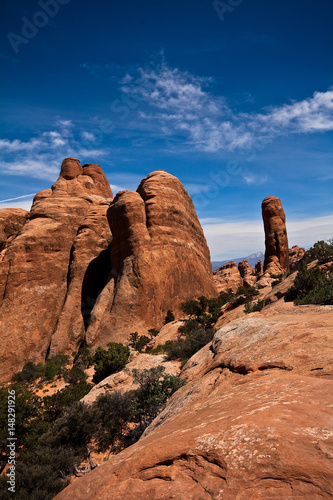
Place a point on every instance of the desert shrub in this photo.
(323, 251)
(112, 416)
(275, 283)
(247, 291)
(138, 342)
(155, 387)
(169, 317)
(30, 372)
(254, 306)
(75, 375)
(196, 337)
(111, 361)
(82, 358)
(55, 405)
(311, 286)
(153, 332)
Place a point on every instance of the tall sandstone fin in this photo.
(276, 239)
(44, 267)
(159, 258)
(64, 283)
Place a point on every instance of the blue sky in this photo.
(233, 97)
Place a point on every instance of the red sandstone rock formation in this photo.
(159, 258)
(228, 277)
(11, 223)
(276, 240)
(259, 268)
(254, 420)
(43, 272)
(246, 273)
(296, 254)
(60, 286)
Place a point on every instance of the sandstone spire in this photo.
(276, 240)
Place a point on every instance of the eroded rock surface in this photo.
(45, 265)
(254, 420)
(276, 240)
(228, 277)
(11, 222)
(159, 258)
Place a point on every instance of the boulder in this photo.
(11, 222)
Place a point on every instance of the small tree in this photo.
(169, 317)
(111, 361)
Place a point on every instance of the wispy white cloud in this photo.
(41, 156)
(228, 240)
(180, 103)
(253, 179)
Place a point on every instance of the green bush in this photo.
(322, 251)
(111, 361)
(82, 358)
(254, 306)
(311, 286)
(169, 317)
(138, 342)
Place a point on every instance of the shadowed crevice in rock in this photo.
(96, 277)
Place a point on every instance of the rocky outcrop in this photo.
(124, 381)
(276, 240)
(246, 272)
(231, 277)
(159, 258)
(46, 267)
(62, 283)
(11, 223)
(228, 277)
(259, 268)
(296, 254)
(253, 421)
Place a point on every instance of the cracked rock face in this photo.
(253, 421)
(276, 240)
(43, 269)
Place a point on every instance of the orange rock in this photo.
(63, 284)
(276, 240)
(44, 269)
(11, 223)
(228, 277)
(296, 254)
(159, 258)
(254, 422)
